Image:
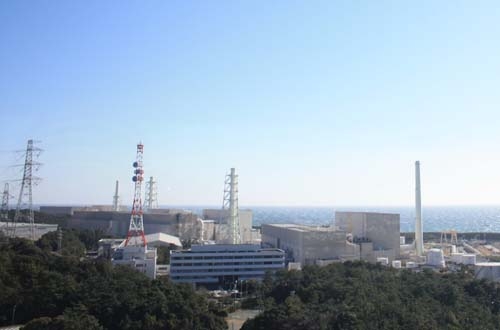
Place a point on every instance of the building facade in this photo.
(378, 234)
(223, 264)
(141, 258)
(182, 224)
(308, 244)
(220, 215)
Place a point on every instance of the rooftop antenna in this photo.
(419, 239)
(230, 203)
(151, 199)
(24, 208)
(116, 198)
(135, 235)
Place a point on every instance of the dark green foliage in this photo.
(63, 292)
(357, 295)
(74, 242)
(163, 254)
(73, 318)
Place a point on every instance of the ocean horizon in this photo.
(478, 218)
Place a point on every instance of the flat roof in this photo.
(159, 238)
(229, 248)
(488, 264)
(303, 228)
(361, 212)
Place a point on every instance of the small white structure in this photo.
(411, 264)
(141, 258)
(469, 259)
(162, 239)
(384, 261)
(294, 266)
(402, 240)
(435, 257)
(162, 270)
(396, 264)
(488, 270)
(321, 262)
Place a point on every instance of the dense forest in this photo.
(358, 295)
(45, 290)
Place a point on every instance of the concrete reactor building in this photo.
(219, 216)
(180, 223)
(307, 244)
(378, 234)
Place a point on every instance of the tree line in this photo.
(49, 291)
(359, 295)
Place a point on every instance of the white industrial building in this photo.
(212, 218)
(308, 244)
(222, 264)
(107, 246)
(142, 258)
(378, 234)
(435, 257)
(488, 270)
(356, 235)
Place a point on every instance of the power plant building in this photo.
(487, 270)
(220, 215)
(378, 234)
(223, 264)
(180, 223)
(308, 244)
(141, 258)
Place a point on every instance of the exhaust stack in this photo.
(116, 199)
(419, 237)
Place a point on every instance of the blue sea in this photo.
(436, 218)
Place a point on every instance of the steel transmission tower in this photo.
(24, 208)
(230, 204)
(4, 213)
(135, 235)
(151, 200)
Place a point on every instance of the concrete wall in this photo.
(246, 220)
(306, 244)
(288, 240)
(380, 228)
(184, 225)
(57, 210)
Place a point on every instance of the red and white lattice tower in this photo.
(135, 235)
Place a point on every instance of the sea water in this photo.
(435, 218)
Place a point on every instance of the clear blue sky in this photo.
(314, 102)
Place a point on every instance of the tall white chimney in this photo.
(116, 199)
(419, 237)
